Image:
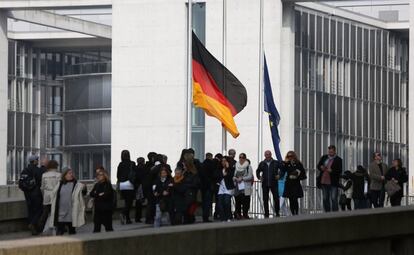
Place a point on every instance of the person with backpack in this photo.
(126, 175)
(50, 180)
(30, 183)
(243, 177)
(103, 199)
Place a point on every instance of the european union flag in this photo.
(270, 108)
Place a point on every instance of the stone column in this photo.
(3, 97)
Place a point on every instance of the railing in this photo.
(89, 68)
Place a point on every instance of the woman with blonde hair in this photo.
(103, 195)
(68, 205)
(295, 173)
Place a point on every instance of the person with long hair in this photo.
(226, 190)
(192, 183)
(397, 174)
(126, 175)
(103, 195)
(68, 205)
(162, 195)
(295, 172)
(243, 177)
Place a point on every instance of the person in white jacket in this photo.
(243, 178)
(68, 204)
(50, 180)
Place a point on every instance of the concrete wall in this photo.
(380, 232)
(3, 96)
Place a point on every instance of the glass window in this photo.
(305, 108)
(353, 42)
(325, 35)
(346, 40)
(359, 43)
(312, 31)
(304, 30)
(372, 46)
(333, 36)
(297, 28)
(340, 39)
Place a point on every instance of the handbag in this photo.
(90, 204)
(342, 199)
(391, 188)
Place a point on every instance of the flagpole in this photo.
(261, 91)
(189, 73)
(223, 130)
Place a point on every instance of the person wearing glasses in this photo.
(268, 172)
(103, 197)
(294, 171)
(243, 177)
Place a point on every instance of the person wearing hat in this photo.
(30, 182)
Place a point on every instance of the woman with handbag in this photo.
(126, 175)
(295, 172)
(396, 177)
(103, 197)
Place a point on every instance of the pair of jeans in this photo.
(242, 205)
(34, 202)
(377, 198)
(61, 228)
(224, 204)
(275, 194)
(360, 204)
(159, 216)
(102, 218)
(129, 197)
(330, 198)
(206, 199)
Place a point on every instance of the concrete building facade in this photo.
(339, 76)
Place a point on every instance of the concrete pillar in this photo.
(411, 105)
(287, 76)
(148, 78)
(3, 97)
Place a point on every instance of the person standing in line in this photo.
(103, 198)
(30, 183)
(141, 175)
(397, 174)
(295, 173)
(178, 201)
(282, 200)
(163, 198)
(377, 171)
(126, 175)
(243, 177)
(226, 190)
(346, 186)
(68, 205)
(217, 172)
(330, 167)
(207, 185)
(192, 183)
(231, 158)
(360, 183)
(268, 172)
(50, 180)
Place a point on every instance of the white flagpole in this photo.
(189, 73)
(223, 130)
(261, 90)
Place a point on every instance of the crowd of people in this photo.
(56, 199)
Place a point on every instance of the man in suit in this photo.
(330, 167)
(377, 171)
(268, 172)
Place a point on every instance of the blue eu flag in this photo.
(270, 108)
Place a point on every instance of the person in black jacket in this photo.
(398, 175)
(126, 175)
(217, 170)
(141, 175)
(268, 172)
(192, 183)
(207, 185)
(330, 167)
(226, 189)
(103, 198)
(360, 183)
(295, 172)
(33, 194)
(178, 202)
(162, 196)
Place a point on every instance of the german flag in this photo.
(215, 88)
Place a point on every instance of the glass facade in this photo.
(48, 89)
(351, 88)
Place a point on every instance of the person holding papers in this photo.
(243, 178)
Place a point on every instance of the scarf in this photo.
(178, 179)
(241, 170)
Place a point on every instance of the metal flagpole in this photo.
(189, 73)
(261, 91)
(223, 130)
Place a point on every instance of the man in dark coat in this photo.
(330, 167)
(33, 194)
(268, 172)
(207, 180)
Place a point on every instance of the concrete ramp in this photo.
(378, 232)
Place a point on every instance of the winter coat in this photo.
(346, 186)
(228, 179)
(246, 172)
(206, 174)
(178, 194)
(359, 177)
(375, 174)
(103, 202)
(124, 170)
(267, 174)
(336, 169)
(192, 184)
(50, 180)
(78, 204)
(294, 172)
(400, 175)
